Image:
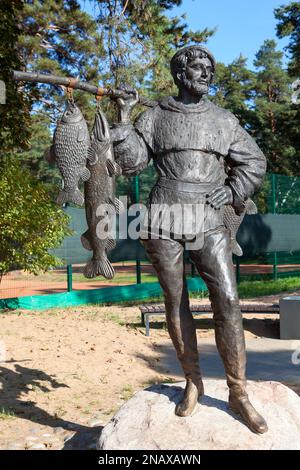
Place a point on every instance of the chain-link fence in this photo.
(279, 195)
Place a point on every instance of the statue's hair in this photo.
(180, 60)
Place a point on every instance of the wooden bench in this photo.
(150, 310)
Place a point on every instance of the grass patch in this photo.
(119, 278)
(114, 317)
(6, 413)
(252, 289)
(127, 392)
(246, 289)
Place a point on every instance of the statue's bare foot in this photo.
(243, 407)
(191, 395)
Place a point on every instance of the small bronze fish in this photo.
(100, 193)
(233, 222)
(69, 150)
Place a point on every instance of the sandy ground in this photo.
(66, 372)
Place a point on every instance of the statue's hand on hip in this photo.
(219, 197)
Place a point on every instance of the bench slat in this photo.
(252, 308)
(159, 309)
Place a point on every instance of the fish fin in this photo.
(81, 134)
(92, 156)
(235, 247)
(116, 204)
(96, 149)
(119, 206)
(101, 267)
(86, 240)
(251, 208)
(74, 196)
(49, 155)
(85, 174)
(110, 243)
(113, 168)
(102, 147)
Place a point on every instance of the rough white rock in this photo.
(148, 422)
(38, 446)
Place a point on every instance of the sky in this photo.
(242, 25)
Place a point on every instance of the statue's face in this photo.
(198, 75)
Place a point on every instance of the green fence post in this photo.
(136, 193)
(69, 278)
(274, 210)
(274, 180)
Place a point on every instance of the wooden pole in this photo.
(76, 84)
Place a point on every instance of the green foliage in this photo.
(252, 289)
(112, 45)
(14, 115)
(33, 158)
(30, 223)
(274, 112)
(288, 17)
(138, 39)
(233, 88)
(261, 99)
(58, 37)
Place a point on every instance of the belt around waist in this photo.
(186, 186)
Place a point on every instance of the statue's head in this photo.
(193, 68)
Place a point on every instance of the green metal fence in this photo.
(280, 195)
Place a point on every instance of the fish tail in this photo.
(74, 196)
(235, 247)
(116, 205)
(99, 267)
(86, 241)
(251, 208)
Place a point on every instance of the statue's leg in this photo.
(214, 263)
(167, 259)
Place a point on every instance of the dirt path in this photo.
(66, 372)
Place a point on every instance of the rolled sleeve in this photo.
(247, 167)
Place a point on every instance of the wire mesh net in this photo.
(279, 195)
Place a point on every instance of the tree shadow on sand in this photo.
(15, 384)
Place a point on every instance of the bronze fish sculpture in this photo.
(69, 151)
(232, 221)
(99, 192)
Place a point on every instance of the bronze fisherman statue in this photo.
(201, 153)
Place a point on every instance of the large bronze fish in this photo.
(71, 142)
(233, 222)
(100, 194)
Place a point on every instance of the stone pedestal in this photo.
(289, 317)
(148, 422)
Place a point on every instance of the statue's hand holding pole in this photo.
(126, 104)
